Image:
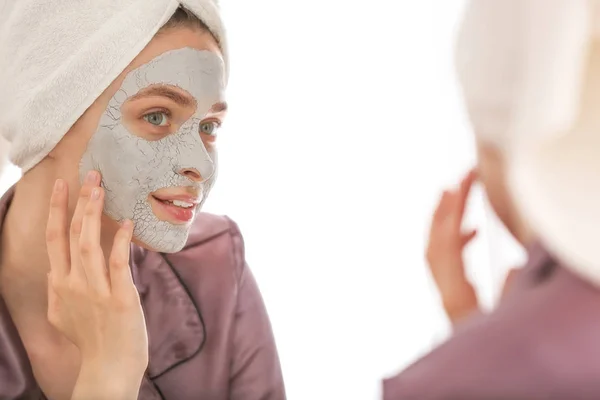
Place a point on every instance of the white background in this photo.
(345, 125)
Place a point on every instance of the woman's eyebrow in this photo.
(165, 91)
(217, 108)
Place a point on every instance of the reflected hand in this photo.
(445, 251)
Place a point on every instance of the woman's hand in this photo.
(445, 252)
(95, 305)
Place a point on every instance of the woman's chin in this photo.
(141, 244)
(148, 247)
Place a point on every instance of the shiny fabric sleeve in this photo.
(540, 343)
(255, 370)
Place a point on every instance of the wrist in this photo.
(107, 381)
(460, 303)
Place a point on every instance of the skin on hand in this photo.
(445, 250)
(91, 302)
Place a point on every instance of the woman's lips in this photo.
(167, 210)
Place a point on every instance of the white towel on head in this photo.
(58, 56)
(508, 51)
(530, 70)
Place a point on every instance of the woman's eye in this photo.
(208, 128)
(157, 118)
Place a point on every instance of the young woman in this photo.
(530, 71)
(113, 286)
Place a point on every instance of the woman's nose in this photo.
(192, 174)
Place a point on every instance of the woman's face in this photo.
(153, 137)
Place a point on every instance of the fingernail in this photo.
(95, 194)
(59, 185)
(91, 177)
(127, 224)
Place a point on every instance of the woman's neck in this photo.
(24, 263)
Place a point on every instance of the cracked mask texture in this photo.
(133, 167)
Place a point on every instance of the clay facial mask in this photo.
(156, 169)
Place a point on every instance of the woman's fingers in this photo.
(92, 256)
(120, 273)
(53, 301)
(444, 206)
(467, 237)
(467, 181)
(57, 241)
(463, 192)
(92, 180)
(453, 202)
